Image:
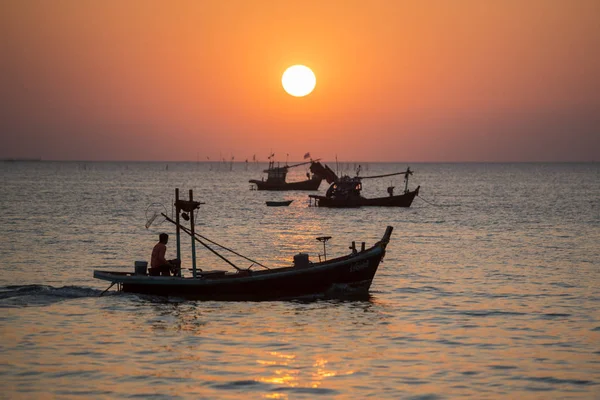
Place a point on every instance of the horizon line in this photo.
(37, 159)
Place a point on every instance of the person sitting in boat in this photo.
(159, 265)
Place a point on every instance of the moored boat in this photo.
(283, 203)
(348, 275)
(345, 192)
(276, 177)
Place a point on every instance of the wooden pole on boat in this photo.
(193, 237)
(178, 230)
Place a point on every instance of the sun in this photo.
(298, 80)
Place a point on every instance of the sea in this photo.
(490, 288)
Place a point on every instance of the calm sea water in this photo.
(490, 288)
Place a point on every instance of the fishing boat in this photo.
(276, 177)
(345, 192)
(348, 275)
(283, 203)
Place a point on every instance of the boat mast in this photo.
(178, 230)
(408, 172)
(188, 207)
(271, 160)
(193, 237)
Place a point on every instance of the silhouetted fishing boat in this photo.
(345, 192)
(276, 177)
(349, 275)
(284, 203)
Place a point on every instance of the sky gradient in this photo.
(435, 81)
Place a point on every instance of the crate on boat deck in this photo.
(301, 260)
(141, 267)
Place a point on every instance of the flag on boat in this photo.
(307, 155)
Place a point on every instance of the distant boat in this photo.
(276, 177)
(345, 192)
(284, 203)
(347, 276)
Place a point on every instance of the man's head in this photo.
(163, 238)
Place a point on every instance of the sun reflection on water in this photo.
(276, 396)
(292, 374)
(281, 376)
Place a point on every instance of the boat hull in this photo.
(310, 184)
(279, 203)
(403, 200)
(347, 276)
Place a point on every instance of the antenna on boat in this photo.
(323, 239)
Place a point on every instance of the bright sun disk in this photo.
(298, 80)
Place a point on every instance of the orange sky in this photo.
(396, 80)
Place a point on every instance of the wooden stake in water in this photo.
(178, 230)
(193, 236)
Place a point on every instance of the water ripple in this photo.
(558, 381)
(498, 301)
(43, 295)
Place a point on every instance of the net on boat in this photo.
(152, 212)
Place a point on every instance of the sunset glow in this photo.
(411, 81)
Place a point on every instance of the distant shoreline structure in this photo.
(14, 159)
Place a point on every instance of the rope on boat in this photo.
(230, 250)
(433, 204)
(382, 176)
(189, 232)
(111, 285)
(197, 236)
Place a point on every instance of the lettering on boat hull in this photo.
(359, 266)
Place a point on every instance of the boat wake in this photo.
(43, 295)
